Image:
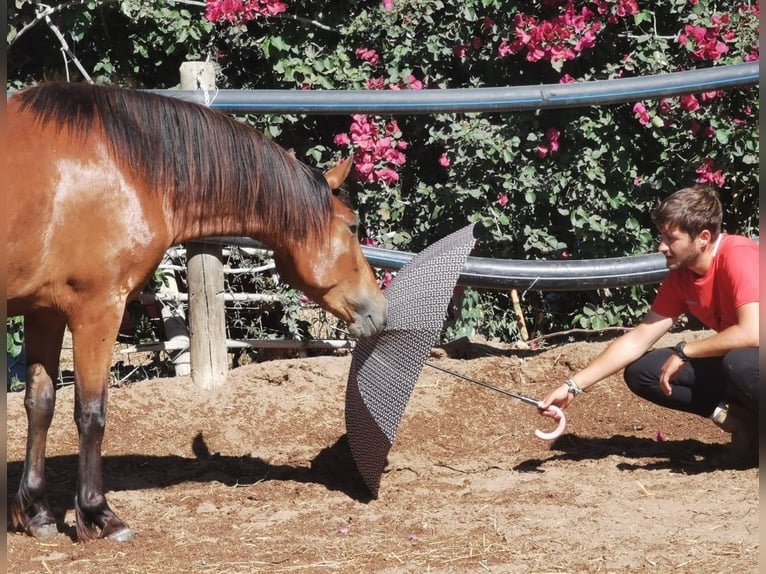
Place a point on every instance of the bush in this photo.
(547, 184)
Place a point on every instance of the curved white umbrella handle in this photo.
(558, 430)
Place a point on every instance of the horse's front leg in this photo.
(43, 335)
(93, 337)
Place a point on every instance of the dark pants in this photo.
(701, 383)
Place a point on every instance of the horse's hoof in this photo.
(124, 535)
(44, 531)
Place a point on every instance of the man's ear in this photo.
(705, 237)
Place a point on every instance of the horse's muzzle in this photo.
(370, 319)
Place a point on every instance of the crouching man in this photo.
(714, 277)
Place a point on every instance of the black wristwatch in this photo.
(679, 350)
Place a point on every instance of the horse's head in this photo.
(333, 272)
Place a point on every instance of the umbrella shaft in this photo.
(524, 398)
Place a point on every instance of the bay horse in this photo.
(101, 182)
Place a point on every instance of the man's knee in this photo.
(646, 369)
(739, 363)
(641, 373)
(740, 371)
(631, 375)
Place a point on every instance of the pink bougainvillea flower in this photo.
(387, 4)
(702, 130)
(706, 43)
(272, 7)
(460, 50)
(392, 127)
(710, 96)
(709, 175)
(626, 8)
(567, 79)
(696, 127)
(689, 102)
(342, 139)
(386, 175)
(504, 49)
(414, 83)
(564, 36)
(241, 11)
(444, 160)
(553, 135)
(377, 148)
(502, 199)
(368, 55)
(640, 110)
(375, 83)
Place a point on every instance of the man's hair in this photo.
(692, 210)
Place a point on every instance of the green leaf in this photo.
(722, 135)
(278, 43)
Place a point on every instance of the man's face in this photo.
(679, 249)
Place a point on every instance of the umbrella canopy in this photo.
(386, 366)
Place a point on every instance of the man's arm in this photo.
(743, 334)
(615, 357)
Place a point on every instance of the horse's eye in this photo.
(354, 228)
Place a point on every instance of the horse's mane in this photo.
(199, 159)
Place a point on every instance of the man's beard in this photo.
(681, 262)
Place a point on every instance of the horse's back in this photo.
(75, 218)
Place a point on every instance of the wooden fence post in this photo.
(174, 322)
(207, 319)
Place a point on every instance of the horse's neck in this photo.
(212, 222)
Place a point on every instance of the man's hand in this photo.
(669, 372)
(560, 396)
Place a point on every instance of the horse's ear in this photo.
(338, 174)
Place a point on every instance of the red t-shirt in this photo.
(730, 282)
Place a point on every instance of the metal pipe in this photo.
(472, 100)
(534, 275)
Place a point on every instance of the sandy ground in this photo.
(258, 477)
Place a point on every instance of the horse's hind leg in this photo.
(43, 334)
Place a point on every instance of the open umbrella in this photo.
(386, 366)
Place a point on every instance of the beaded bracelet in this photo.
(572, 387)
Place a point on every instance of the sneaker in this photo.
(743, 427)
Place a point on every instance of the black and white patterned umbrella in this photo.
(386, 366)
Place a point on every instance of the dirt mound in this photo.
(258, 477)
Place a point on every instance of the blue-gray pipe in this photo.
(501, 99)
(502, 274)
(573, 275)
